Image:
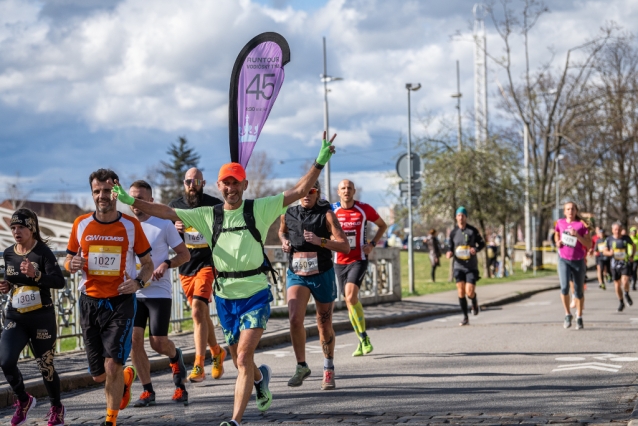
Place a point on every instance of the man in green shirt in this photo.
(243, 303)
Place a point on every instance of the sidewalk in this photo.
(72, 366)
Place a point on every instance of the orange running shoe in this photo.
(129, 377)
(198, 374)
(218, 365)
(180, 395)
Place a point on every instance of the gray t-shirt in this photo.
(461, 241)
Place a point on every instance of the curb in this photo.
(82, 379)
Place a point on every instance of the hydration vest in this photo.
(298, 220)
(249, 218)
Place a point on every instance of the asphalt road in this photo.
(512, 365)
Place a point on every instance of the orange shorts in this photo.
(198, 286)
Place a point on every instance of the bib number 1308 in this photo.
(258, 86)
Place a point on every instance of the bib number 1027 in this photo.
(259, 85)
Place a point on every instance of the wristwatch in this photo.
(372, 243)
(168, 262)
(140, 282)
(38, 275)
(323, 242)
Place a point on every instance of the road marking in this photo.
(623, 359)
(589, 365)
(545, 303)
(571, 358)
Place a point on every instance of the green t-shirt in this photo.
(237, 251)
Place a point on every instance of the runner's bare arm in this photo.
(382, 227)
(283, 235)
(158, 210)
(338, 240)
(182, 255)
(305, 183)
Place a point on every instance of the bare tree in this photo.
(17, 193)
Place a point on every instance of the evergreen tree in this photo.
(182, 157)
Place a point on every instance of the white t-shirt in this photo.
(161, 235)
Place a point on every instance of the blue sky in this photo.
(94, 83)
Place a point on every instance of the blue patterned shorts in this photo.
(242, 314)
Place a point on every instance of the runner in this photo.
(31, 271)
(242, 295)
(305, 233)
(634, 258)
(617, 247)
(154, 302)
(351, 267)
(434, 249)
(103, 246)
(465, 243)
(196, 276)
(602, 262)
(573, 240)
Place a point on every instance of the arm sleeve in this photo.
(141, 247)
(73, 246)
(173, 239)
(52, 274)
(196, 218)
(480, 242)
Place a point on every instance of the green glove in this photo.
(324, 153)
(122, 195)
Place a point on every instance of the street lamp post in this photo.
(411, 88)
(325, 79)
(560, 157)
(458, 96)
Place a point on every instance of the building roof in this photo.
(65, 212)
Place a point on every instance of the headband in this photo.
(24, 220)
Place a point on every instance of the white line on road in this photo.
(585, 367)
(599, 364)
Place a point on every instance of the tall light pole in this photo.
(458, 95)
(325, 79)
(411, 88)
(560, 157)
(528, 233)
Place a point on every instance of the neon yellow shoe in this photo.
(366, 345)
(198, 374)
(358, 351)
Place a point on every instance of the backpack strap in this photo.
(249, 218)
(218, 223)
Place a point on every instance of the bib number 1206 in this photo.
(257, 90)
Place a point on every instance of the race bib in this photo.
(352, 238)
(620, 254)
(194, 239)
(105, 260)
(601, 247)
(26, 299)
(568, 240)
(463, 252)
(305, 263)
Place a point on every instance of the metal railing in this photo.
(378, 281)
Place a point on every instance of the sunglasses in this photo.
(189, 182)
(313, 191)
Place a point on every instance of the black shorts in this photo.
(157, 311)
(351, 273)
(603, 261)
(617, 273)
(469, 277)
(107, 328)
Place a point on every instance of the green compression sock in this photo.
(355, 312)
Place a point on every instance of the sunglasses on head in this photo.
(313, 191)
(189, 182)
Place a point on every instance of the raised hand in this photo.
(77, 262)
(327, 149)
(119, 193)
(27, 268)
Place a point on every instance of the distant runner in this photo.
(617, 249)
(634, 258)
(603, 263)
(465, 243)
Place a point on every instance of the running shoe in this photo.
(466, 321)
(358, 351)
(218, 365)
(229, 423)
(475, 306)
(146, 399)
(633, 287)
(621, 306)
(180, 395)
(297, 379)
(198, 374)
(628, 299)
(366, 345)
(129, 377)
(579, 324)
(179, 369)
(264, 397)
(22, 410)
(328, 382)
(603, 286)
(568, 321)
(56, 415)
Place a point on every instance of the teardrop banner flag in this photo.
(257, 76)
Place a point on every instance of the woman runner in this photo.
(31, 271)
